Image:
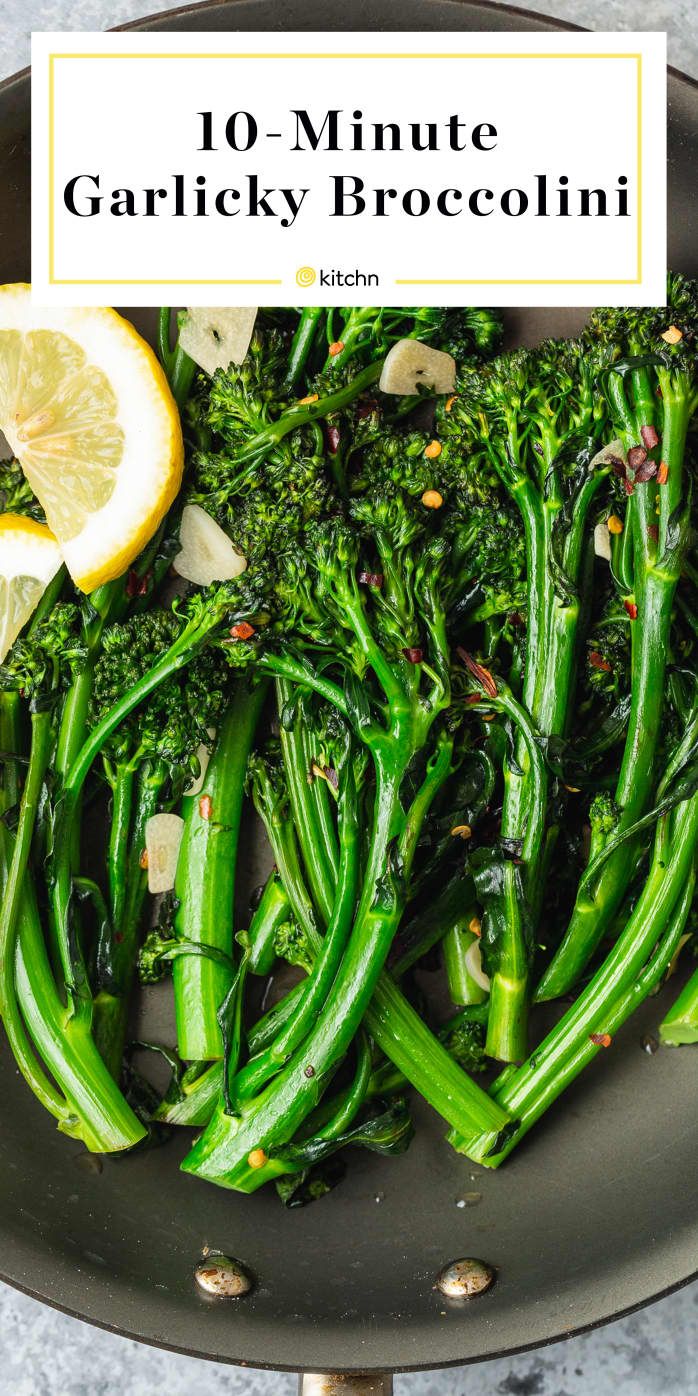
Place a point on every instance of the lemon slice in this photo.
(87, 411)
(29, 558)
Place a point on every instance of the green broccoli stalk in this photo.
(205, 882)
(540, 422)
(652, 396)
(680, 1025)
(84, 1099)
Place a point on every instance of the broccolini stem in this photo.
(205, 882)
(119, 830)
(533, 1103)
(301, 344)
(320, 867)
(117, 945)
(315, 988)
(655, 581)
(681, 1022)
(43, 1089)
(457, 943)
(272, 910)
(663, 899)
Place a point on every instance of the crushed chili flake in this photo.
(653, 532)
(135, 585)
(205, 806)
(309, 1071)
(335, 348)
(365, 408)
(516, 618)
(431, 499)
(461, 831)
(645, 471)
(662, 473)
(617, 466)
(636, 455)
(649, 436)
(433, 450)
(600, 1039)
(242, 631)
(614, 524)
(333, 439)
(478, 671)
(307, 401)
(597, 661)
(628, 487)
(371, 579)
(413, 654)
(631, 608)
(143, 860)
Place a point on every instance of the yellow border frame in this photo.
(441, 281)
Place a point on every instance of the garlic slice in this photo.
(410, 365)
(163, 835)
(215, 338)
(203, 753)
(207, 554)
(602, 541)
(473, 964)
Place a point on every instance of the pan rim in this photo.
(23, 75)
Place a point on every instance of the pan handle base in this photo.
(347, 1384)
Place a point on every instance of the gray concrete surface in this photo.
(652, 1353)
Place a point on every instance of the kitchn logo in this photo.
(334, 276)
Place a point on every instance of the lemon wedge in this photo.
(29, 558)
(87, 411)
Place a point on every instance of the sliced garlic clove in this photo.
(163, 835)
(411, 365)
(216, 338)
(615, 450)
(203, 753)
(602, 541)
(207, 554)
(473, 964)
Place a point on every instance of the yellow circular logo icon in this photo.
(305, 276)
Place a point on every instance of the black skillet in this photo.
(595, 1214)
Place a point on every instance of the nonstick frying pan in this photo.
(593, 1216)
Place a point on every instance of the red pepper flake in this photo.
(649, 437)
(309, 1072)
(516, 618)
(366, 408)
(600, 1039)
(371, 579)
(143, 860)
(662, 473)
(653, 532)
(335, 348)
(413, 654)
(628, 487)
(242, 631)
(636, 456)
(597, 661)
(118, 937)
(631, 608)
(205, 806)
(333, 439)
(645, 471)
(478, 671)
(135, 585)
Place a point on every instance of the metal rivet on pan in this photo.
(222, 1277)
(463, 1279)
